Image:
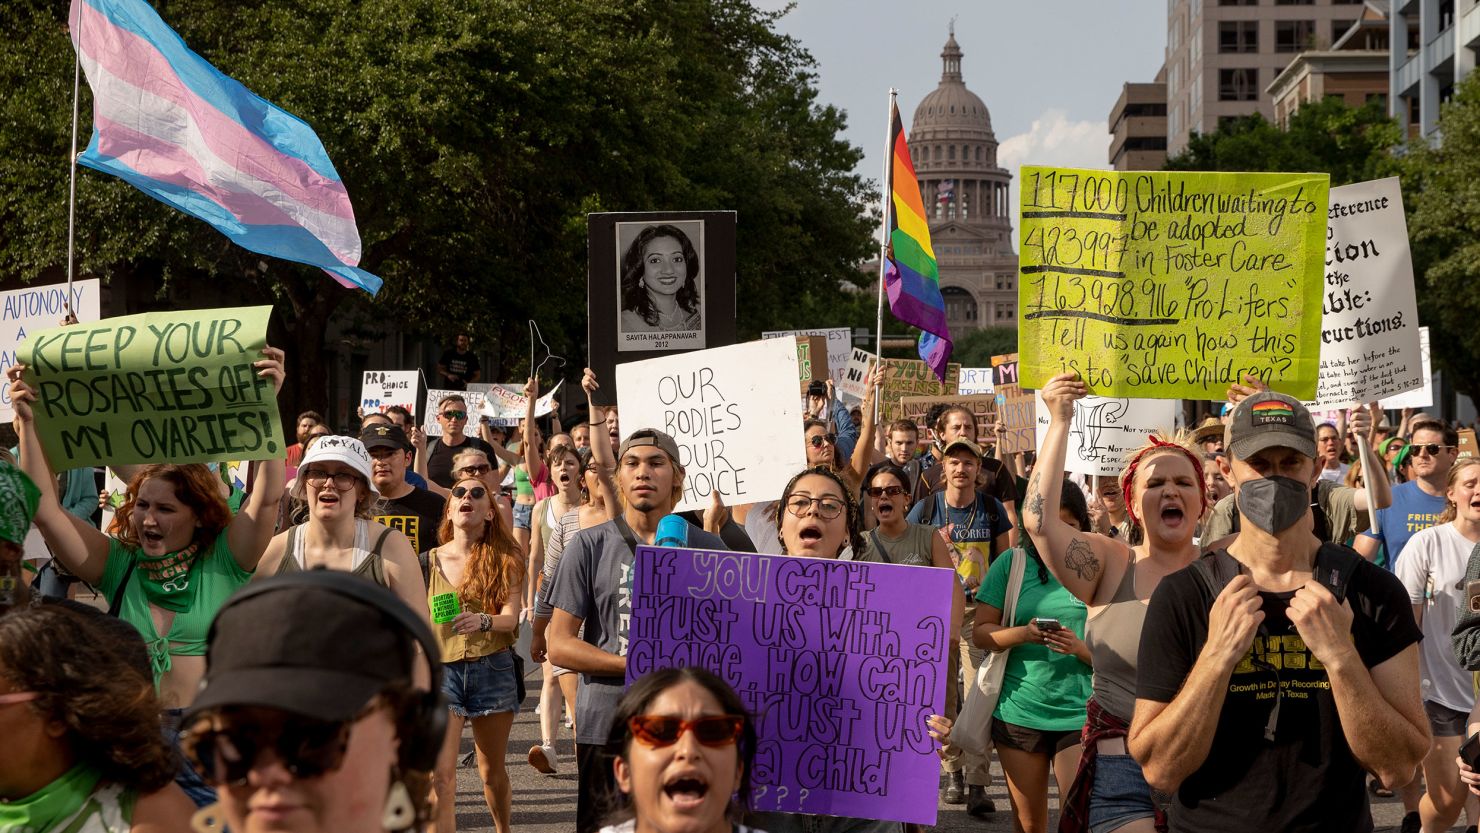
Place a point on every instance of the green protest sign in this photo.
(161, 387)
(445, 608)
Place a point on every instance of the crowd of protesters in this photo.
(1220, 638)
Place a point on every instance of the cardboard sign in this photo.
(506, 404)
(1422, 397)
(38, 308)
(1017, 409)
(382, 389)
(912, 377)
(657, 283)
(1369, 318)
(173, 387)
(839, 661)
(473, 398)
(854, 383)
(811, 360)
(1172, 285)
(1467, 446)
(975, 380)
(839, 347)
(1105, 431)
(734, 412)
(983, 407)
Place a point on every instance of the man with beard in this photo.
(992, 477)
(416, 512)
(592, 587)
(459, 364)
(306, 423)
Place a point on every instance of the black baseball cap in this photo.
(299, 644)
(382, 435)
(1267, 420)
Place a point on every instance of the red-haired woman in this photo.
(176, 553)
(478, 563)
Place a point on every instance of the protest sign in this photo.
(839, 347)
(734, 412)
(811, 360)
(37, 308)
(472, 397)
(1422, 397)
(1369, 316)
(1105, 431)
(840, 662)
(974, 380)
(657, 283)
(506, 404)
(380, 389)
(165, 386)
(854, 382)
(983, 407)
(1017, 409)
(912, 377)
(1467, 446)
(1172, 285)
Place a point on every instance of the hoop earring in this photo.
(208, 819)
(399, 811)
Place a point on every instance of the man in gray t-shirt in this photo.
(593, 587)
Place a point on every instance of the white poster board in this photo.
(40, 308)
(854, 382)
(734, 412)
(474, 399)
(839, 347)
(974, 380)
(380, 389)
(1369, 320)
(1105, 430)
(1422, 397)
(505, 404)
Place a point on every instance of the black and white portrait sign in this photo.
(660, 286)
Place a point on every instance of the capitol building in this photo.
(964, 192)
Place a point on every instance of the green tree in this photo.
(976, 348)
(474, 136)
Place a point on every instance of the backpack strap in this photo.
(1334, 568)
(1214, 570)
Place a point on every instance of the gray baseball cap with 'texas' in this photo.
(1268, 420)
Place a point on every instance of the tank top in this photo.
(1114, 639)
(912, 548)
(366, 561)
(460, 647)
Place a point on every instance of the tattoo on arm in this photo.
(1035, 505)
(1080, 558)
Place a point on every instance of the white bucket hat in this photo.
(333, 448)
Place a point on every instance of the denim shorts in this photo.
(482, 686)
(1120, 794)
(523, 514)
(195, 788)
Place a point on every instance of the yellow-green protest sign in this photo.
(160, 387)
(1171, 284)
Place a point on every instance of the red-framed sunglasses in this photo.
(659, 731)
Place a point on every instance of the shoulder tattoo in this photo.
(1080, 558)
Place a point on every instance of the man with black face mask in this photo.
(1275, 672)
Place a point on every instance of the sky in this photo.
(1048, 70)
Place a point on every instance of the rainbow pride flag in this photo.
(910, 275)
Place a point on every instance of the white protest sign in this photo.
(380, 389)
(1105, 430)
(839, 347)
(505, 404)
(1369, 315)
(974, 380)
(734, 412)
(1422, 397)
(853, 384)
(39, 308)
(472, 397)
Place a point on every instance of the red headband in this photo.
(1157, 444)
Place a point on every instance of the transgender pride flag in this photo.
(176, 128)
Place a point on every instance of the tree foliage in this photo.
(474, 136)
(976, 348)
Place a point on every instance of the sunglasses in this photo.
(1432, 449)
(827, 507)
(475, 470)
(454, 414)
(818, 440)
(659, 731)
(477, 491)
(885, 491)
(307, 748)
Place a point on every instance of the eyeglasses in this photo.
(817, 440)
(827, 507)
(18, 697)
(659, 731)
(885, 491)
(343, 481)
(307, 748)
(477, 491)
(1432, 449)
(475, 471)
(454, 414)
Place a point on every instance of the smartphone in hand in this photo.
(1470, 752)
(1045, 624)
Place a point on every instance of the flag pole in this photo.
(72, 182)
(886, 187)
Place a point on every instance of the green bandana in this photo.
(53, 805)
(166, 578)
(18, 500)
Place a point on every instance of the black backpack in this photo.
(1334, 567)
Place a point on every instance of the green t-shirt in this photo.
(74, 803)
(1041, 689)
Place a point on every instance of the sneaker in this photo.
(1411, 823)
(977, 803)
(542, 758)
(954, 791)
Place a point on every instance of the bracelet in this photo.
(487, 622)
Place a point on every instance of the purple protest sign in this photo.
(839, 661)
